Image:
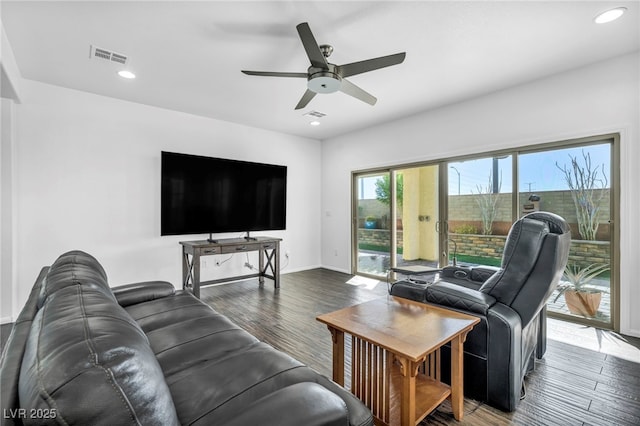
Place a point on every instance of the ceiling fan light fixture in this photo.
(324, 82)
(610, 15)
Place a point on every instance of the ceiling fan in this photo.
(324, 77)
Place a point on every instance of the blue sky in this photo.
(538, 171)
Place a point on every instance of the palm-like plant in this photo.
(588, 190)
(577, 278)
(487, 200)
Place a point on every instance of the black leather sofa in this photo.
(145, 354)
(511, 304)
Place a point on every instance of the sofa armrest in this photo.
(130, 294)
(455, 296)
(304, 403)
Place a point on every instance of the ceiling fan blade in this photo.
(311, 46)
(354, 68)
(351, 89)
(276, 74)
(306, 98)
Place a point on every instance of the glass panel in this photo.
(373, 218)
(416, 216)
(479, 210)
(575, 184)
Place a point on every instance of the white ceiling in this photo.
(188, 55)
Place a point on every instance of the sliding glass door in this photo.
(461, 210)
(576, 183)
(396, 219)
(372, 223)
(417, 216)
(480, 209)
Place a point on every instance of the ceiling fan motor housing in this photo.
(324, 80)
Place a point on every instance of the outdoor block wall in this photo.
(581, 253)
(377, 238)
(464, 210)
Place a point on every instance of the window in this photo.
(463, 208)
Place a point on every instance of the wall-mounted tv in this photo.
(201, 195)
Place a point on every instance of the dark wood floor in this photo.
(572, 385)
(587, 377)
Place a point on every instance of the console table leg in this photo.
(195, 260)
(261, 266)
(186, 270)
(276, 272)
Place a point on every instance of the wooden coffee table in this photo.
(395, 356)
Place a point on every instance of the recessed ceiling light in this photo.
(126, 74)
(315, 123)
(610, 15)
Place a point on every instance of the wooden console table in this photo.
(268, 258)
(395, 356)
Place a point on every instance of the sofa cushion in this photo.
(190, 335)
(307, 404)
(88, 360)
(213, 367)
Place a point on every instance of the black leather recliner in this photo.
(510, 302)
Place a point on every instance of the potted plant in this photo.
(370, 222)
(581, 298)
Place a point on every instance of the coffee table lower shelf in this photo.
(429, 395)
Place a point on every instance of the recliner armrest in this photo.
(130, 294)
(459, 297)
(467, 276)
(482, 273)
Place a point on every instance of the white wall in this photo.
(10, 91)
(88, 177)
(602, 98)
(8, 291)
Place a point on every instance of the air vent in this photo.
(316, 114)
(98, 52)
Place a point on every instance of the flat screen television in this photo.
(201, 195)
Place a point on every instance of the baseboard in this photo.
(331, 268)
(308, 268)
(633, 333)
(304, 268)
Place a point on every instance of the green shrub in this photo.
(466, 229)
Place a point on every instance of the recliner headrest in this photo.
(556, 224)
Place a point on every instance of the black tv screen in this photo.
(202, 195)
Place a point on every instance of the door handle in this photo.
(445, 226)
